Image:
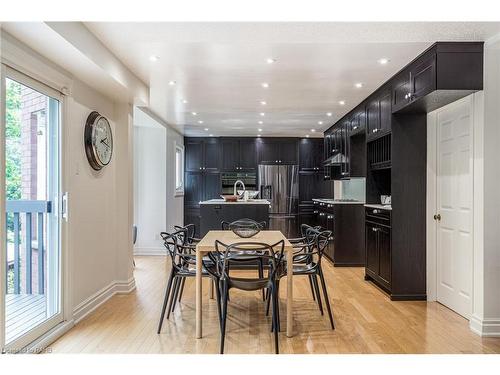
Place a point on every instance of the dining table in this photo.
(269, 237)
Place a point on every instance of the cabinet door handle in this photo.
(201, 168)
(276, 161)
(376, 211)
(437, 217)
(374, 229)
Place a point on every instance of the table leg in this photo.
(289, 298)
(199, 258)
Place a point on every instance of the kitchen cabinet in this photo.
(200, 186)
(357, 122)
(202, 154)
(378, 247)
(239, 154)
(443, 74)
(277, 151)
(378, 115)
(311, 154)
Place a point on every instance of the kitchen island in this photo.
(214, 211)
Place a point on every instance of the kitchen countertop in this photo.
(380, 206)
(331, 201)
(250, 201)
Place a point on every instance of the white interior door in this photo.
(455, 206)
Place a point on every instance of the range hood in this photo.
(335, 160)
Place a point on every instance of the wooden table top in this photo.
(269, 237)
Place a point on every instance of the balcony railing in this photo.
(34, 212)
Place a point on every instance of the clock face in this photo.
(102, 140)
(98, 141)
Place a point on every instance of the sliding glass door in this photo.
(32, 295)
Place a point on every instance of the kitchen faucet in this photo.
(242, 184)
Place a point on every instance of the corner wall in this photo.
(156, 207)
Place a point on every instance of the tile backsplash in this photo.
(355, 188)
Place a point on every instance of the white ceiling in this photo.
(219, 68)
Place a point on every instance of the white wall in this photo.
(486, 313)
(156, 207)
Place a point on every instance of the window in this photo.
(179, 170)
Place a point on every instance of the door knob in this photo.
(437, 217)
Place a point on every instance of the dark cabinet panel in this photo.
(372, 117)
(372, 256)
(288, 152)
(400, 90)
(202, 154)
(310, 154)
(384, 248)
(310, 187)
(278, 151)
(269, 152)
(211, 185)
(193, 190)
(423, 78)
(211, 155)
(192, 216)
(230, 154)
(379, 115)
(194, 155)
(247, 150)
(385, 112)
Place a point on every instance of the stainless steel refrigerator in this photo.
(280, 185)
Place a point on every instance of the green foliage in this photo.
(13, 143)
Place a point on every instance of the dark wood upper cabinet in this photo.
(277, 151)
(310, 154)
(443, 74)
(230, 154)
(288, 152)
(202, 154)
(211, 154)
(378, 114)
(194, 154)
(248, 154)
(239, 154)
(193, 188)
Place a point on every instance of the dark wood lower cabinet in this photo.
(378, 248)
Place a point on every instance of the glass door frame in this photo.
(39, 331)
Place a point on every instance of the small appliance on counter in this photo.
(385, 200)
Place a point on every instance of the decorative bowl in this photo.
(230, 198)
(245, 229)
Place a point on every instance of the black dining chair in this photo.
(246, 223)
(223, 255)
(189, 233)
(183, 259)
(307, 262)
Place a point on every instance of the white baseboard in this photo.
(44, 342)
(485, 327)
(98, 298)
(149, 251)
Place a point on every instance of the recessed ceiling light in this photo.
(261, 122)
(200, 122)
(307, 135)
(313, 130)
(154, 58)
(329, 114)
(270, 60)
(206, 129)
(263, 102)
(342, 102)
(194, 113)
(262, 114)
(358, 85)
(320, 122)
(210, 135)
(185, 101)
(383, 61)
(258, 135)
(265, 85)
(171, 83)
(259, 129)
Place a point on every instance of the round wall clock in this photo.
(98, 141)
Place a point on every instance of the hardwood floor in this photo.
(367, 321)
